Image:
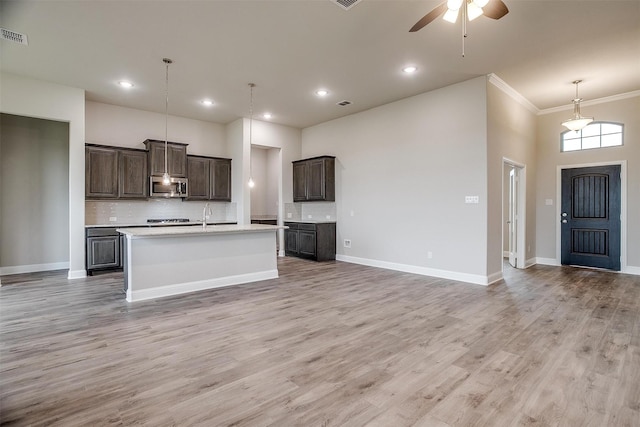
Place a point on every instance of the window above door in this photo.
(594, 135)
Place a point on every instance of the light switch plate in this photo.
(548, 202)
(472, 199)
(113, 219)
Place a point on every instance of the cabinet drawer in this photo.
(101, 231)
(291, 225)
(309, 227)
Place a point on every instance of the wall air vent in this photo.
(344, 103)
(345, 4)
(12, 36)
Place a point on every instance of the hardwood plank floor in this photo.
(326, 344)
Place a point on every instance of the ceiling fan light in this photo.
(480, 3)
(473, 11)
(454, 4)
(451, 16)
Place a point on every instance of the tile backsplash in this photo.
(137, 212)
(312, 211)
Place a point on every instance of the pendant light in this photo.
(166, 179)
(251, 183)
(577, 122)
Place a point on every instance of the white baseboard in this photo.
(476, 279)
(546, 261)
(77, 274)
(33, 268)
(630, 269)
(530, 262)
(200, 285)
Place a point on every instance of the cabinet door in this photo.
(300, 181)
(177, 160)
(103, 252)
(101, 172)
(291, 242)
(307, 243)
(221, 180)
(132, 169)
(198, 172)
(315, 180)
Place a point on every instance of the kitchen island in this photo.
(165, 261)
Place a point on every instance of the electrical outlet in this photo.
(429, 255)
(347, 243)
(113, 219)
(289, 215)
(310, 216)
(328, 216)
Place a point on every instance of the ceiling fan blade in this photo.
(495, 9)
(439, 10)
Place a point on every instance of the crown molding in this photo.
(611, 98)
(503, 86)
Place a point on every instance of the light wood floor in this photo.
(326, 344)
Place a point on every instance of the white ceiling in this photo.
(290, 48)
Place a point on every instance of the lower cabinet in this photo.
(315, 241)
(103, 249)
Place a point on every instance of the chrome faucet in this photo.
(206, 213)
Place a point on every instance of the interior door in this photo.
(590, 217)
(513, 217)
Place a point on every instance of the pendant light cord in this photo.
(167, 61)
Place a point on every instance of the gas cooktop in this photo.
(167, 220)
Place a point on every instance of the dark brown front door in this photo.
(590, 217)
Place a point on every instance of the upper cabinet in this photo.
(209, 178)
(101, 172)
(133, 180)
(314, 179)
(176, 158)
(112, 173)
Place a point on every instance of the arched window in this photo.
(594, 135)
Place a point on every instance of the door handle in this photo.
(564, 214)
(564, 221)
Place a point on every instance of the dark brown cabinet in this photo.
(209, 178)
(314, 179)
(132, 174)
(315, 241)
(103, 249)
(101, 172)
(176, 158)
(112, 172)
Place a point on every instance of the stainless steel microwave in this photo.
(177, 187)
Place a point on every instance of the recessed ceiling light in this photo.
(410, 69)
(267, 115)
(322, 92)
(125, 84)
(207, 102)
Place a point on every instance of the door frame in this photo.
(623, 207)
(521, 203)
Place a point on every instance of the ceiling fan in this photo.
(471, 9)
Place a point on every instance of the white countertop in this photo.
(158, 224)
(145, 232)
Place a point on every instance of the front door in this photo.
(590, 217)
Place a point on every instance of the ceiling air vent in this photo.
(344, 103)
(345, 4)
(12, 36)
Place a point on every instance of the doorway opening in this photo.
(266, 195)
(513, 213)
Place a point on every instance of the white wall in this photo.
(34, 194)
(511, 134)
(34, 98)
(126, 127)
(625, 111)
(402, 173)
